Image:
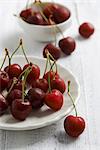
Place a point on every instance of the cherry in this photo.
(61, 14)
(36, 18)
(14, 70)
(34, 74)
(54, 100)
(86, 29)
(49, 9)
(3, 104)
(18, 85)
(67, 45)
(58, 84)
(26, 13)
(14, 94)
(52, 75)
(4, 79)
(21, 109)
(74, 126)
(53, 50)
(36, 97)
(41, 84)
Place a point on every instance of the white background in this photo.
(84, 63)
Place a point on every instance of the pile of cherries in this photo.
(43, 12)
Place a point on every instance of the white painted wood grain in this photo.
(84, 63)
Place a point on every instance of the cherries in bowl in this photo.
(37, 23)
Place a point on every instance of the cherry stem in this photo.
(21, 43)
(46, 66)
(49, 82)
(27, 4)
(9, 58)
(23, 73)
(4, 58)
(72, 99)
(54, 61)
(12, 85)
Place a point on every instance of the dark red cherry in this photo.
(26, 13)
(61, 14)
(36, 97)
(53, 50)
(51, 74)
(18, 85)
(4, 79)
(54, 100)
(14, 70)
(49, 9)
(86, 29)
(3, 104)
(58, 84)
(67, 45)
(34, 74)
(20, 109)
(74, 126)
(14, 94)
(36, 18)
(41, 84)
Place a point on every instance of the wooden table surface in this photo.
(84, 63)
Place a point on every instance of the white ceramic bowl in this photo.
(44, 33)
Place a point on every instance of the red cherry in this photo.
(26, 13)
(34, 74)
(36, 97)
(41, 84)
(36, 18)
(14, 94)
(53, 50)
(4, 79)
(58, 84)
(74, 126)
(61, 14)
(3, 104)
(86, 29)
(18, 85)
(21, 109)
(54, 100)
(49, 9)
(67, 45)
(14, 70)
(51, 74)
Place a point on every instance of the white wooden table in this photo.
(84, 63)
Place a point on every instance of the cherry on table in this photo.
(3, 104)
(74, 125)
(20, 109)
(53, 50)
(58, 84)
(67, 45)
(4, 79)
(36, 97)
(24, 14)
(86, 29)
(54, 100)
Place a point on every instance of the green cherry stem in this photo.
(69, 94)
(4, 58)
(27, 3)
(46, 66)
(49, 82)
(12, 85)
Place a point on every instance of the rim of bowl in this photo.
(49, 26)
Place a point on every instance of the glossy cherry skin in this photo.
(36, 18)
(3, 104)
(61, 14)
(36, 97)
(14, 94)
(26, 13)
(49, 9)
(34, 74)
(18, 85)
(41, 84)
(74, 126)
(4, 79)
(58, 84)
(20, 109)
(54, 100)
(14, 70)
(86, 29)
(67, 45)
(52, 75)
(53, 50)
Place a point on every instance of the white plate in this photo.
(45, 116)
